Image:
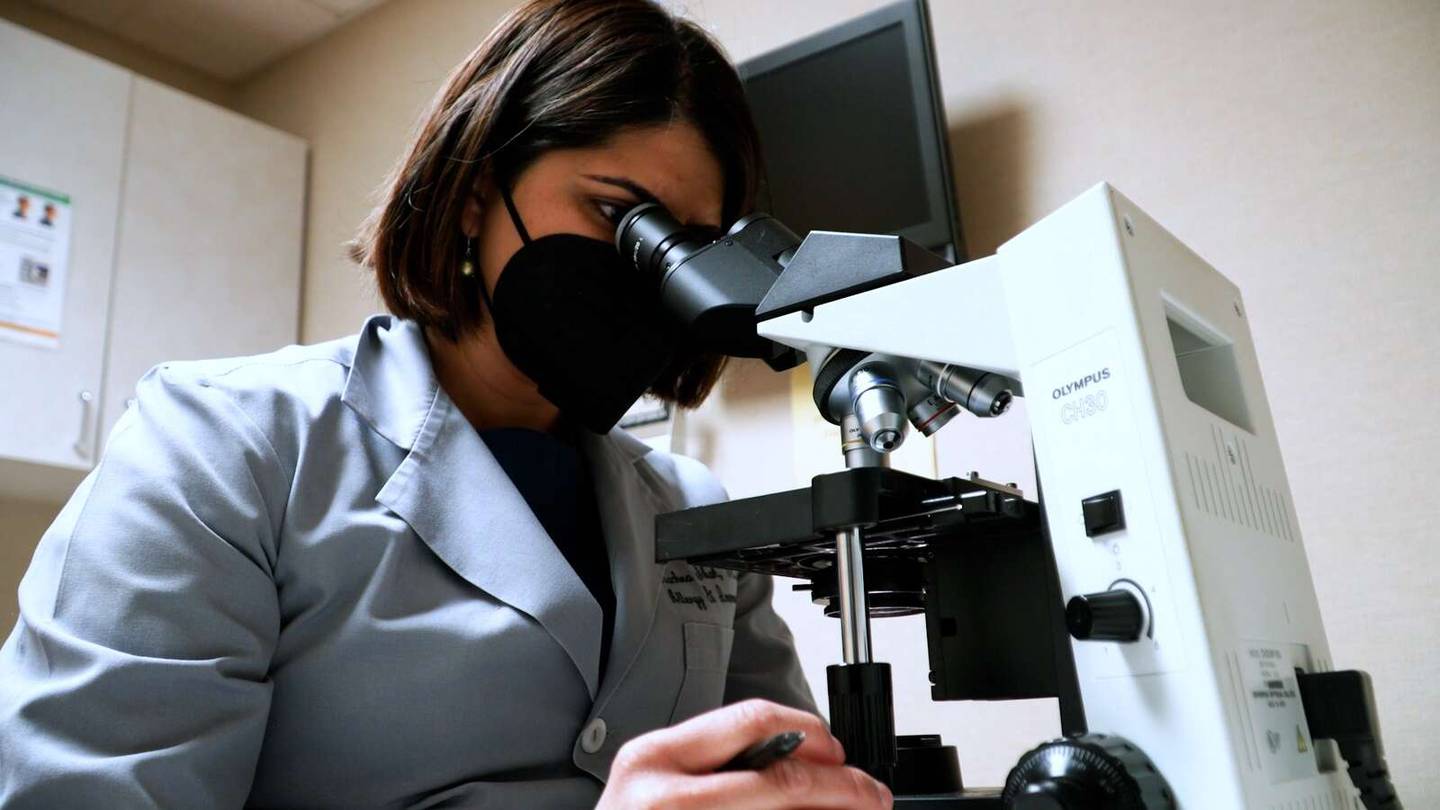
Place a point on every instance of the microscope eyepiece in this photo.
(654, 242)
(710, 283)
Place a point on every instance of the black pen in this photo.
(765, 753)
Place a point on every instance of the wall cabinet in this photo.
(186, 242)
(65, 116)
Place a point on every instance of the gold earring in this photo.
(467, 267)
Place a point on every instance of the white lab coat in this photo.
(302, 580)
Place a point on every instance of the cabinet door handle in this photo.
(81, 447)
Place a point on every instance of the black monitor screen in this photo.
(840, 138)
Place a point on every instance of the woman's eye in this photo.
(611, 211)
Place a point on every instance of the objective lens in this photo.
(979, 392)
(879, 405)
(932, 413)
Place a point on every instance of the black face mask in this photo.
(580, 323)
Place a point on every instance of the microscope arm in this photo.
(955, 315)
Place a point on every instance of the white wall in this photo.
(355, 95)
(111, 48)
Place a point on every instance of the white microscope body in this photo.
(1144, 394)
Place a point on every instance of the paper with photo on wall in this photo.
(34, 260)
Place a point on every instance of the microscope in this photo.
(1157, 586)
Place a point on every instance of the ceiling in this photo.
(226, 39)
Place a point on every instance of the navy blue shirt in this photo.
(554, 479)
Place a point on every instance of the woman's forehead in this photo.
(671, 161)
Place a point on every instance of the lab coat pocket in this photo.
(707, 660)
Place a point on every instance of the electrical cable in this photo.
(1340, 706)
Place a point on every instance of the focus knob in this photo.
(1062, 793)
(1087, 772)
(1109, 616)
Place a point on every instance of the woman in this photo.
(413, 567)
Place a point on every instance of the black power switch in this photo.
(1103, 513)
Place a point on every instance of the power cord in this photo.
(1340, 706)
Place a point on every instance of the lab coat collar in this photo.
(629, 497)
(495, 542)
(391, 383)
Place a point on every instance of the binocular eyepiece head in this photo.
(711, 285)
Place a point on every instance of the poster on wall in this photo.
(34, 257)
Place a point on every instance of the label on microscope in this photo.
(1277, 718)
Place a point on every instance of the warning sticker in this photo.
(1277, 718)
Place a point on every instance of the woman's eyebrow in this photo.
(641, 193)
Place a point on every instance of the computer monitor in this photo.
(852, 128)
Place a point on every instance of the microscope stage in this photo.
(904, 518)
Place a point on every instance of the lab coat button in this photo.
(592, 739)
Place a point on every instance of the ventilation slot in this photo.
(1224, 485)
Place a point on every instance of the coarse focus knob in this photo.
(862, 716)
(1109, 616)
(1087, 772)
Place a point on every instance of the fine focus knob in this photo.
(1109, 616)
(1087, 772)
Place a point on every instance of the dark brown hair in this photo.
(553, 74)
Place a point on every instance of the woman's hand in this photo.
(674, 767)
